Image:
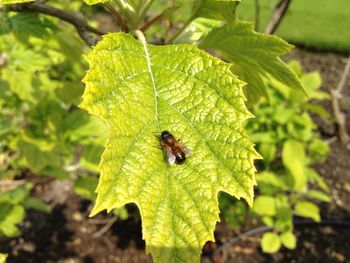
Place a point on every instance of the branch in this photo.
(151, 22)
(338, 114)
(79, 23)
(116, 15)
(277, 16)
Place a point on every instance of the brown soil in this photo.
(68, 235)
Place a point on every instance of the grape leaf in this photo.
(141, 90)
(14, 1)
(254, 56)
(215, 9)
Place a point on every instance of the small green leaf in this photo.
(140, 90)
(317, 109)
(270, 243)
(315, 177)
(318, 195)
(121, 212)
(289, 240)
(36, 204)
(308, 210)
(268, 152)
(318, 150)
(267, 220)
(8, 221)
(85, 186)
(14, 1)
(293, 158)
(264, 205)
(24, 25)
(270, 178)
(93, 2)
(255, 56)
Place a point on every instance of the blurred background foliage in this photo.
(44, 133)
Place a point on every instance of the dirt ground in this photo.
(68, 235)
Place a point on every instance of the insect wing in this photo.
(170, 155)
(186, 150)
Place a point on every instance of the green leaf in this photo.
(293, 158)
(15, 196)
(216, 9)
(268, 152)
(267, 220)
(270, 243)
(85, 186)
(269, 178)
(14, 1)
(24, 25)
(318, 150)
(288, 240)
(317, 109)
(197, 29)
(318, 195)
(255, 55)
(141, 90)
(308, 210)
(8, 220)
(92, 2)
(315, 177)
(284, 213)
(264, 205)
(35, 203)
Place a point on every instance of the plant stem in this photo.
(278, 14)
(116, 15)
(338, 114)
(257, 15)
(151, 22)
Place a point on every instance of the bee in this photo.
(173, 149)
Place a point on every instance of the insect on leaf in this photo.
(141, 90)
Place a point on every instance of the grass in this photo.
(321, 24)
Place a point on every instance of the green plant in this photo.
(285, 136)
(138, 90)
(13, 203)
(41, 128)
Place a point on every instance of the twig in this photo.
(79, 23)
(151, 22)
(118, 16)
(105, 228)
(257, 15)
(7, 185)
(98, 221)
(338, 114)
(235, 240)
(277, 16)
